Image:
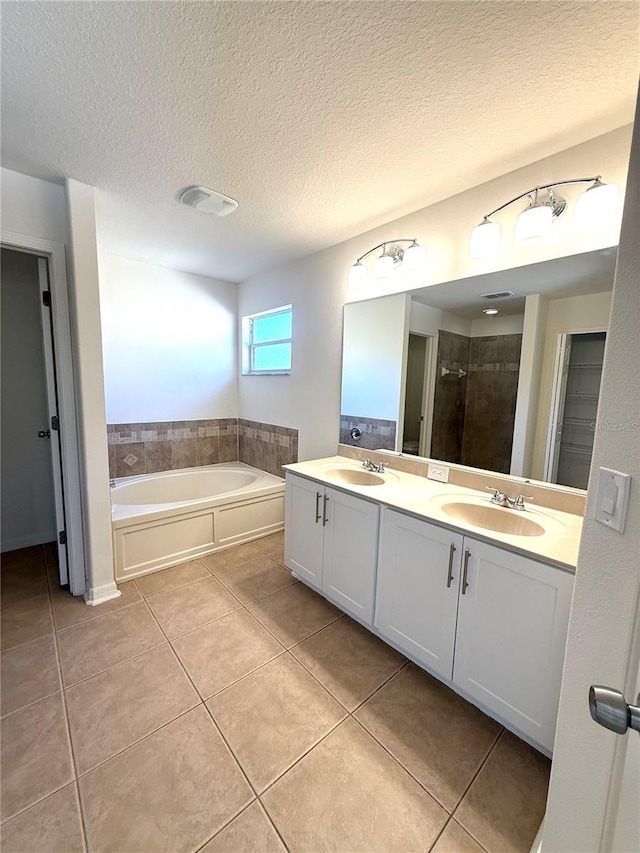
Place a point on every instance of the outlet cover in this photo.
(440, 473)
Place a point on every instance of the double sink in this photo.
(477, 512)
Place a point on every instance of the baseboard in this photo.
(99, 594)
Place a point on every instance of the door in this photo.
(512, 626)
(557, 407)
(417, 590)
(304, 530)
(350, 552)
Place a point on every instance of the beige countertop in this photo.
(424, 498)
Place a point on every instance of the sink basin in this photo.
(354, 477)
(493, 518)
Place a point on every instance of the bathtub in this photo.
(174, 516)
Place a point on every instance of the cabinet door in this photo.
(512, 628)
(303, 529)
(350, 551)
(417, 589)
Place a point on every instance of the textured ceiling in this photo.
(322, 119)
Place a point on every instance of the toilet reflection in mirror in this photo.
(429, 374)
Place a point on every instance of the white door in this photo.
(563, 356)
(54, 423)
(350, 552)
(417, 590)
(303, 530)
(512, 627)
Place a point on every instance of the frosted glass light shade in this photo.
(534, 223)
(484, 240)
(415, 258)
(383, 267)
(597, 207)
(358, 276)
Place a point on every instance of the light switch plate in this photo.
(439, 473)
(612, 498)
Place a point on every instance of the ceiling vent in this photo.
(208, 201)
(498, 294)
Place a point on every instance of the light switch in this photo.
(612, 498)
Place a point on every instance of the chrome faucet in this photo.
(371, 466)
(502, 499)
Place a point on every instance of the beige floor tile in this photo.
(22, 582)
(71, 610)
(505, 805)
(22, 557)
(171, 792)
(51, 825)
(113, 710)
(295, 613)
(36, 757)
(272, 546)
(256, 579)
(26, 621)
(250, 831)
(192, 606)
(171, 578)
(94, 646)
(455, 839)
(222, 652)
(348, 794)
(29, 672)
(272, 717)
(438, 736)
(349, 661)
(222, 560)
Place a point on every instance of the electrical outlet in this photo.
(439, 473)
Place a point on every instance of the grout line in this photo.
(273, 824)
(439, 835)
(475, 775)
(37, 802)
(232, 754)
(93, 618)
(112, 666)
(222, 828)
(29, 704)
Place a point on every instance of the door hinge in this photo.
(62, 537)
(46, 298)
(55, 423)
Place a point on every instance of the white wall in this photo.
(600, 644)
(317, 285)
(511, 325)
(425, 320)
(33, 207)
(571, 314)
(169, 342)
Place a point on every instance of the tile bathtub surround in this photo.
(279, 725)
(377, 434)
(147, 448)
(267, 446)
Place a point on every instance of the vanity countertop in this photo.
(425, 498)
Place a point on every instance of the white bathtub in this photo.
(162, 519)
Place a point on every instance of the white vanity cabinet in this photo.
(417, 589)
(512, 625)
(331, 542)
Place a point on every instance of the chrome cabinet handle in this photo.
(318, 515)
(452, 551)
(325, 517)
(467, 554)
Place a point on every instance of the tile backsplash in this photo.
(147, 448)
(377, 434)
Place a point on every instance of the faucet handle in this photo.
(518, 503)
(495, 491)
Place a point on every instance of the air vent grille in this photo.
(208, 201)
(498, 294)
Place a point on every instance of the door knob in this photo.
(609, 708)
(44, 433)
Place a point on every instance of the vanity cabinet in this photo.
(512, 626)
(331, 542)
(417, 590)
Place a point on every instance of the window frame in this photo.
(249, 346)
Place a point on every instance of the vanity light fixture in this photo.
(413, 259)
(594, 208)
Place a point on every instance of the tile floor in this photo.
(221, 706)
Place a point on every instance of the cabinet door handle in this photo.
(467, 554)
(325, 517)
(318, 514)
(452, 551)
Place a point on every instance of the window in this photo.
(266, 339)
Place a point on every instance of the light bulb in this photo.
(484, 239)
(358, 276)
(534, 223)
(415, 258)
(383, 267)
(597, 206)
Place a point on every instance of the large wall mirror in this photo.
(431, 374)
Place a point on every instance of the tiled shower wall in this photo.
(146, 448)
(377, 434)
